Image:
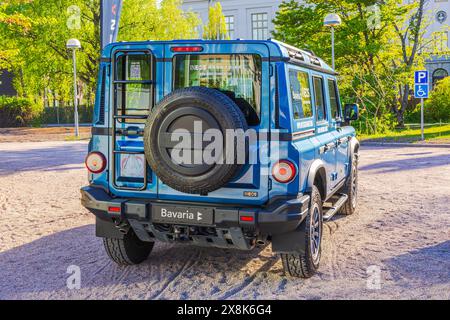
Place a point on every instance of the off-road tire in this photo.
(220, 108)
(352, 182)
(129, 250)
(303, 265)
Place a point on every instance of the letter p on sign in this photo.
(421, 77)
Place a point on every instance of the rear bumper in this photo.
(281, 217)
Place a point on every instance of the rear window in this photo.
(237, 75)
(321, 110)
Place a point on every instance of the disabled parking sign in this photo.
(421, 86)
(421, 91)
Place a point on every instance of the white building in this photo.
(437, 33)
(246, 19)
(252, 19)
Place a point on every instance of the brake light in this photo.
(284, 171)
(187, 49)
(247, 219)
(114, 209)
(95, 162)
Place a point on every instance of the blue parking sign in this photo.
(421, 77)
(421, 91)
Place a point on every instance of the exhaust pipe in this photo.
(261, 242)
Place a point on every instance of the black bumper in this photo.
(280, 217)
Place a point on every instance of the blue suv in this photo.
(229, 144)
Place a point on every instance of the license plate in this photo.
(182, 215)
(132, 165)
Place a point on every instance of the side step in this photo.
(335, 207)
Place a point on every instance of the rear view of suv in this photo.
(230, 144)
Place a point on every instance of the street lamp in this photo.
(74, 44)
(332, 20)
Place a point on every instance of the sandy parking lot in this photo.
(402, 228)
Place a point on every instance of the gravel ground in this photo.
(401, 229)
(42, 134)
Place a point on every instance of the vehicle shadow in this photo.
(429, 265)
(39, 269)
(68, 156)
(415, 163)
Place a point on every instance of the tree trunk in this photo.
(404, 97)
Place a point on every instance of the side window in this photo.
(321, 113)
(133, 84)
(301, 94)
(334, 99)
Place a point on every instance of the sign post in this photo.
(421, 91)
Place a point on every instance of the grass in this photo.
(433, 134)
(73, 138)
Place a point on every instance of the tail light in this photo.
(95, 162)
(284, 171)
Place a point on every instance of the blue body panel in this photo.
(277, 118)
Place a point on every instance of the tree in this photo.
(33, 34)
(413, 54)
(143, 20)
(216, 28)
(368, 52)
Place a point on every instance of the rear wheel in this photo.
(128, 251)
(305, 265)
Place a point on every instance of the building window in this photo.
(260, 26)
(229, 22)
(439, 74)
(440, 41)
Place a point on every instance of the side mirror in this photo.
(351, 112)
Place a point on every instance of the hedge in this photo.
(66, 115)
(18, 112)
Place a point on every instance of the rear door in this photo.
(135, 89)
(324, 132)
(241, 70)
(342, 140)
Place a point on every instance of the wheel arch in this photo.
(354, 148)
(317, 176)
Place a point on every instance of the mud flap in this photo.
(290, 242)
(107, 229)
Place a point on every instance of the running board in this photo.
(335, 208)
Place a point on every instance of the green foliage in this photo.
(16, 112)
(143, 20)
(216, 29)
(437, 107)
(33, 35)
(373, 62)
(65, 115)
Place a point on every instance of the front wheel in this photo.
(306, 264)
(351, 189)
(128, 251)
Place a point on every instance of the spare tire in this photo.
(177, 113)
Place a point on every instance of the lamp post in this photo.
(74, 44)
(332, 20)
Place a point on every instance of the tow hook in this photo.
(181, 233)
